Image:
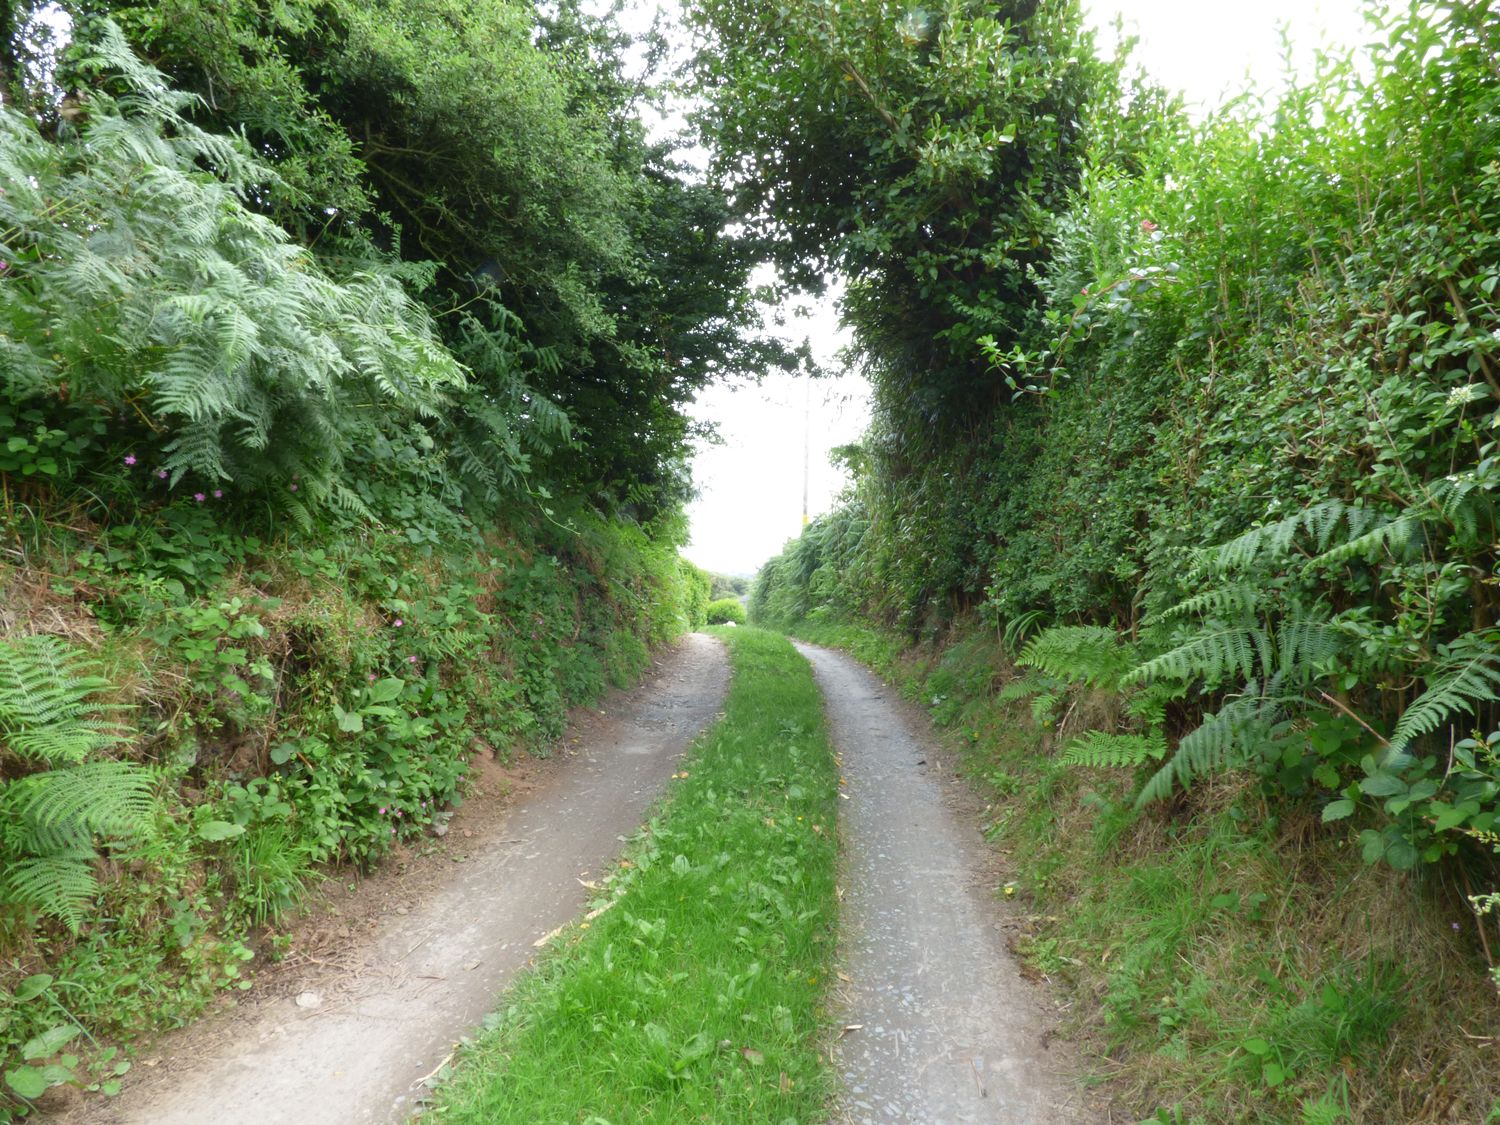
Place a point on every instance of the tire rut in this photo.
(423, 980)
(947, 1031)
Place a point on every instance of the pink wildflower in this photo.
(218, 494)
(1148, 226)
(382, 810)
(411, 659)
(161, 474)
(129, 459)
(198, 496)
(292, 487)
(398, 623)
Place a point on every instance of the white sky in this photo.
(750, 486)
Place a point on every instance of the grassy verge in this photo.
(1227, 959)
(696, 994)
(281, 709)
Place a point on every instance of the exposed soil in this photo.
(386, 972)
(939, 1025)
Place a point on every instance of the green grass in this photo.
(697, 995)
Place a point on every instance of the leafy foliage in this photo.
(1088, 654)
(139, 284)
(1103, 750)
(344, 356)
(52, 817)
(497, 152)
(1251, 430)
(725, 611)
(47, 713)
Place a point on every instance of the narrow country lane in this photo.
(946, 1029)
(430, 976)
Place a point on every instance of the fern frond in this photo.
(1148, 705)
(1467, 675)
(1210, 655)
(1022, 687)
(1390, 536)
(67, 808)
(1099, 749)
(46, 710)
(1088, 654)
(1042, 705)
(1018, 628)
(1306, 647)
(1226, 740)
(1237, 601)
(1453, 496)
(59, 885)
(1275, 540)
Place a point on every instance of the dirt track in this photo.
(941, 1027)
(378, 1017)
(944, 1029)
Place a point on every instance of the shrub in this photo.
(726, 611)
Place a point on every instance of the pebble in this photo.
(309, 1000)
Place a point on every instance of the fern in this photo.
(65, 809)
(1098, 749)
(1320, 521)
(1022, 687)
(1390, 535)
(1043, 705)
(45, 709)
(1018, 628)
(1212, 654)
(1088, 654)
(58, 885)
(1237, 601)
(1243, 729)
(149, 286)
(51, 820)
(1466, 675)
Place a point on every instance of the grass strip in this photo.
(697, 994)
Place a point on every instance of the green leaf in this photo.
(1258, 1047)
(350, 722)
(27, 1081)
(1337, 810)
(1383, 785)
(32, 987)
(1402, 854)
(1450, 818)
(283, 753)
(693, 1050)
(1274, 1074)
(219, 830)
(1326, 776)
(49, 1042)
(383, 691)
